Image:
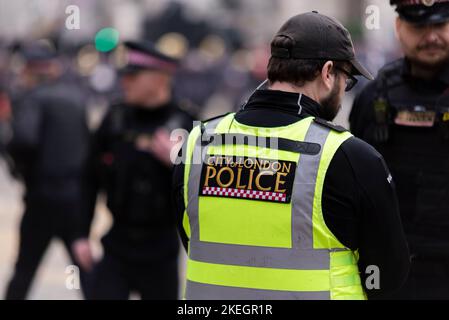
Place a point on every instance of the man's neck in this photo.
(159, 100)
(307, 90)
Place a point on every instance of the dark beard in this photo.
(427, 65)
(433, 68)
(330, 106)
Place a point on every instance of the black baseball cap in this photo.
(422, 12)
(143, 55)
(319, 37)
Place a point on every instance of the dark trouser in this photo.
(428, 280)
(115, 279)
(41, 222)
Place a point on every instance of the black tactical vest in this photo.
(413, 120)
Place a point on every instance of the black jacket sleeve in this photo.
(92, 186)
(26, 128)
(178, 194)
(361, 209)
(178, 182)
(179, 206)
(98, 145)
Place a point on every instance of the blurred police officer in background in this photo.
(404, 113)
(132, 154)
(49, 146)
(283, 218)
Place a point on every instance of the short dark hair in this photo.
(295, 71)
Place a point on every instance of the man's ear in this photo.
(326, 75)
(397, 26)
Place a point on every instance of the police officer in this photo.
(285, 204)
(49, 146)
(132, 155)
(404, 113)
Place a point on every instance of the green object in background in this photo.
(106, 39)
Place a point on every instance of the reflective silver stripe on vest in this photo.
(259, 256)
(304, 190)
(194, 180)
(201, 291)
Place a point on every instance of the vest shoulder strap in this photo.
(207, 136)
(330, 125)
(215, 118)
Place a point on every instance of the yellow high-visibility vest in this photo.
(254, 217)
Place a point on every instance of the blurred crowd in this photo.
(217, 72)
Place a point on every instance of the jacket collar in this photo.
(287, 102)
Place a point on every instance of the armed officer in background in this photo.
(404, 113)
(132, 155)
(49, 147)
